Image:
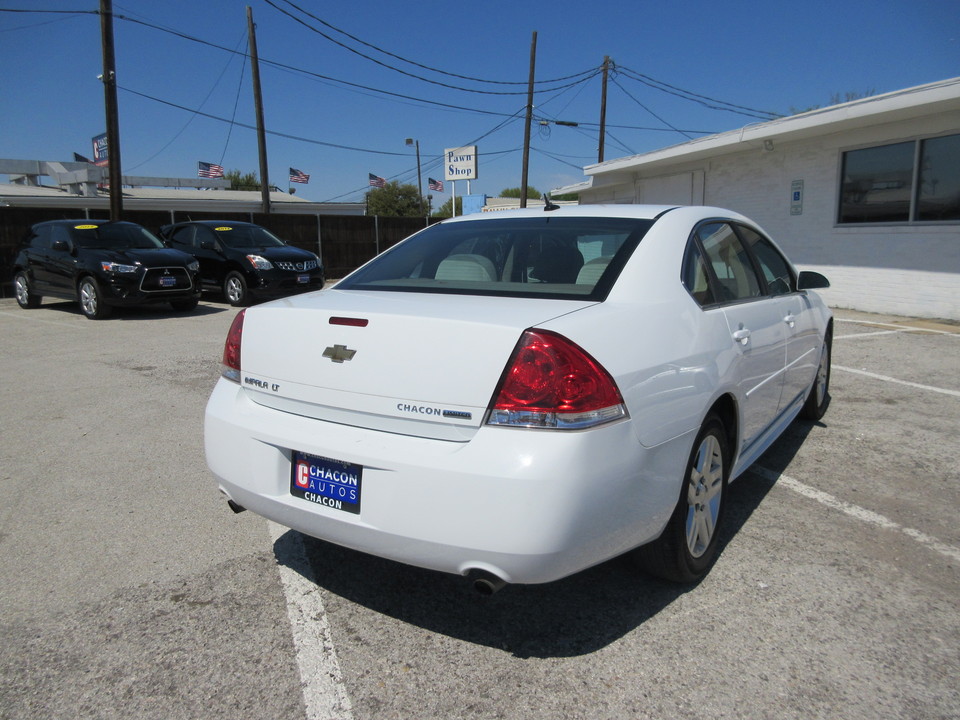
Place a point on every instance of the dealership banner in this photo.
(101, 155)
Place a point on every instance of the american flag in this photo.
(435, 185)
(298, 176)
(376, 181)
(209, 170)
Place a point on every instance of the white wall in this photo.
(899, 269)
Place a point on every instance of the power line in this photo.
(412, 62)
(616, 82)
(294, 69)
(708, 102)
(413, 75)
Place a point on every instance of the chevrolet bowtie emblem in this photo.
(339, 353)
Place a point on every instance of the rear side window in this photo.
(41, 239)
(184, 235)
(571, 258)
(695, 277)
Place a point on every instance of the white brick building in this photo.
(867, 192)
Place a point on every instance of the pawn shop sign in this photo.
(460, 163)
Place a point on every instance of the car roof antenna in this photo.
(548, 204)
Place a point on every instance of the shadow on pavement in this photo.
(574, 616)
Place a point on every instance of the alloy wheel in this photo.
(704, 491)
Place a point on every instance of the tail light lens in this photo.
(551, 382)
(231, 349)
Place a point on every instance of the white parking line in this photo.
(901, 328)
(855, 511)
(25, 316)
(885, 378)
(321, 680)
(857, 336)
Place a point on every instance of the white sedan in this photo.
(517, 396)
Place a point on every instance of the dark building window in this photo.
(908, 181)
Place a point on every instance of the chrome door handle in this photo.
(790, 320)
(742, 336)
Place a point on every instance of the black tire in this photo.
(687, 548)
(184, 305)
(235, 289)
(819, 396)
(26, 298)
(91, 299)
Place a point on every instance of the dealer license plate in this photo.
(331, 483)
(303, 279)
(168, 282)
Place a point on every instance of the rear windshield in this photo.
(567, 258)
(113, 236)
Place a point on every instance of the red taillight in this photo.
(231, 349)
(552, 382)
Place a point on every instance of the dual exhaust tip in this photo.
(484, 582)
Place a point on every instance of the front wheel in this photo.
(235, 289)
(26, 298)
(688, 545)
(819, 396)
(91, 300)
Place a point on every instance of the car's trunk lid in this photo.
(412, 363)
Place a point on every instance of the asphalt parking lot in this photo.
(128, 588)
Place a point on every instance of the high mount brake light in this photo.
(551, 382)
(231, 349)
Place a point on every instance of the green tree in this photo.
(532, 193)
(395, 200)
(240, 181)
(444, 210)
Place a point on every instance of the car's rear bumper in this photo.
(528, 506)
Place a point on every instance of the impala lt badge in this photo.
(339, 353)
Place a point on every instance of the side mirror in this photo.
(207, 245)
(61, 245)
(810, 280)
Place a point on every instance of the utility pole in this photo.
(109, 79)
(526, 130)
(603, 108)
(258, 104)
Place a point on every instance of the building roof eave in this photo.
(923, 100)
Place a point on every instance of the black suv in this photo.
(103, 264)
(243, 260)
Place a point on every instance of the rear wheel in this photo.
(26, 298)
(91, 300)
(688, 545)
(235, 289)
(819, 397)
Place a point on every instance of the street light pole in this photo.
(411, 141)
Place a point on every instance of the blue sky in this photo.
(328, 112)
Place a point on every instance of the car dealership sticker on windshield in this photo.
(84, 227)
(223, 229)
